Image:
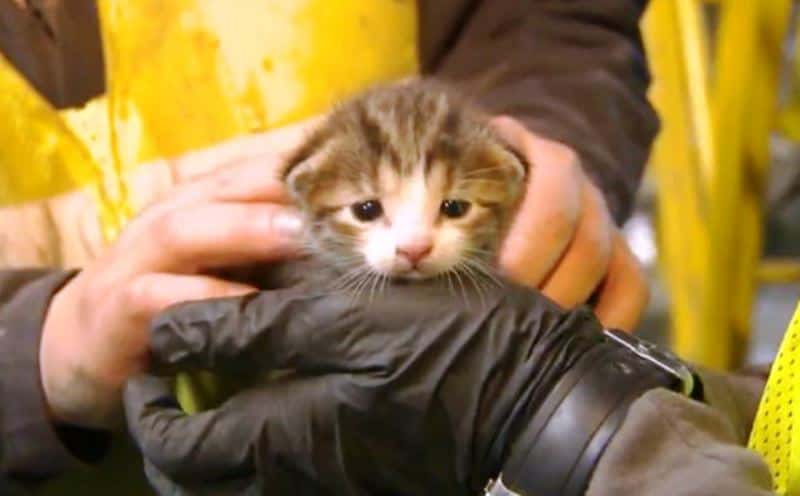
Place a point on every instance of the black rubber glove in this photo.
(412, 391)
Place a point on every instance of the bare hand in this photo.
(95, 333)
(564, 240)
(65, 230)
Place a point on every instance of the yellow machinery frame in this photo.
(711, 163)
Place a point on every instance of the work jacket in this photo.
(573, 71)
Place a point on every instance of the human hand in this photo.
(95, 332)
(410, 374)
(564, 241)
(64, 231)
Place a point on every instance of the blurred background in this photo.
(718, 220)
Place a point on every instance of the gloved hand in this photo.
(411, 391)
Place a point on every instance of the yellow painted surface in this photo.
(38, 153)
(711, 161)
(189, 73)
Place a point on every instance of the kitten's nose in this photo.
(414, 252)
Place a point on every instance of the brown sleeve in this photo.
(571, 70)
(56, 45)
(669, 444)
(31, 447)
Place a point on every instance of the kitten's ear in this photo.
(298, 176)
(516, 161)
(299, 171)
(507, 132)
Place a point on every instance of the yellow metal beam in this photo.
(711, 162)
(778, 271)
(749, 59)
(673, 29)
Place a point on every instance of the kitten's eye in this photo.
(454, 208)
(367, 211)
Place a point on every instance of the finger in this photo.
(244, 169)
(586, 260)
(532, 145)
(278, 143)
(207, 446)
(317, 331)
(547, 218)
(151, 293)
(624, 294)
(248, 180)
(284, 140)
(187, 240)
(255, 332)
(144, 297)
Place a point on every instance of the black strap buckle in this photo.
(661, 358)
(496, 487)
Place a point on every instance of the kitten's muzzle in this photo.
(414, 253)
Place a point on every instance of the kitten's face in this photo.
(405, 183)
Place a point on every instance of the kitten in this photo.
(407, 182)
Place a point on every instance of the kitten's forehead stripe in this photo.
(379, 139)
(438, 131)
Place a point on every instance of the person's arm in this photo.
(68, 344)
(572, 71)
(31, 446)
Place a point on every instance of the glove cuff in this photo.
(557, 450)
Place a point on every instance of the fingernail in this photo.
(287, 223)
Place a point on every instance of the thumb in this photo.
(244, 333)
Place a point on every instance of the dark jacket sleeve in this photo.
(31, 447)
(56, 46)
(571, 70)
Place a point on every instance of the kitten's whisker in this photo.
(488, 273)
(385, 278)
(375, 277)
(475, 278)
(461, 286)
(350, 276)
(482, 265)
(353, 281)
(449, 281)
(362, 281)
(362, 284)
(349, 270)
(351, 288)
